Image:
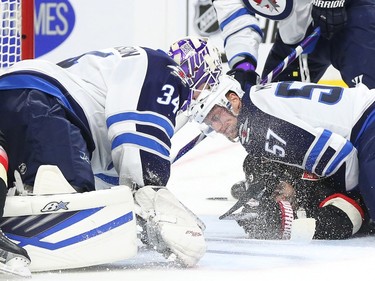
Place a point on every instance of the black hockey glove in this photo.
(259, 179)
(262, 177)
(330, 15)
(268, 220)
(245, 75)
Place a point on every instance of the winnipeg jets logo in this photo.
(244, 132)
(270, 9)
(269, 4)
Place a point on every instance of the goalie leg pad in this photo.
(171, 228)
(73, 230)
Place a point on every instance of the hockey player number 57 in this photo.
(274, 149)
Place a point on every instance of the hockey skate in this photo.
(13, 259)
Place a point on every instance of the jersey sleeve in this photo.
(240, 29)
(141, 107)
(280, 132)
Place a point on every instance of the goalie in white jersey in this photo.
(325, 130)
(107, 118)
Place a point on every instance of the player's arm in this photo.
(240, 30)
(328, 153)
(336, 213)
(287, 139)
(277, 203)
(140, 128)
(330, 16)
(338, 217)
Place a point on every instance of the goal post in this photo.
(16, 31)
(27, 37)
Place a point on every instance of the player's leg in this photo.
(353, 50)
(366, 157)
(39, 132)
(13, 259)
(317, 61)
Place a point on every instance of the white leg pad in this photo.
(50, 180)
(73, 230)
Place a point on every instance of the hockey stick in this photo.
(292, 56)
(189, 146)
(270, 77)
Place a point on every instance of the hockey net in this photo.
(17, 31)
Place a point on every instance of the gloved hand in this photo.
(244, 73)
(261, 178)
(268, 220)
(330, 15)
(171, 228)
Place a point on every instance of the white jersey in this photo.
(241, 31)
(130, 97)
(310, 126)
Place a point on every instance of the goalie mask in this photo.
(200, 61)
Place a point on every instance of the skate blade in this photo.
(17, 267)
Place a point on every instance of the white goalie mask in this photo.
(217, 96)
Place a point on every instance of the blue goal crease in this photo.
(36, 240)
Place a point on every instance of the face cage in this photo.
(198, 72)
(209, 131)
(209, 81)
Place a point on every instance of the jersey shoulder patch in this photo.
(271, 9)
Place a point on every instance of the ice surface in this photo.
(208, 171)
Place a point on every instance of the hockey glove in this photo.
(262, 178)
(244, 73)
(329, 15)
(268, 220)
(172, 230)
(338, 217)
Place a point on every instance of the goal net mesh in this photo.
(10, 36)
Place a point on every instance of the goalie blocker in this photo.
(68, 229)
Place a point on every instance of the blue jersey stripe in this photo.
(25, 81)
(328, 154)
(108, 179)
(141, 117)
(317, 149)
(235, 15)
(344, 152)
(131, 138)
